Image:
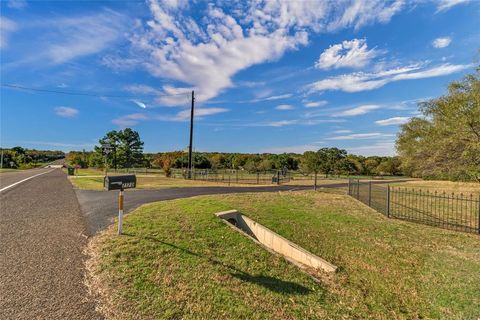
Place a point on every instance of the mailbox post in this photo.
(120, 183)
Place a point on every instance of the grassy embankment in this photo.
(177, 260)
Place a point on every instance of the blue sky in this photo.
(269, 76)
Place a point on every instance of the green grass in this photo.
(8, 170)
(177, 260)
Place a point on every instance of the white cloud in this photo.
(353, 53)
(357, 110)
(315, 104)
(270, 98)
(441, 42)
(284, 107)
(280, 123)
(282, 96)
(199, 113)
(174, 46)
(342, 131)
(17, 4)
(360, 81)
(129, 120)
(392, 121)
(66, 112)
(381, 148)
(300, 122)
(6, 27)
(355, 136)
(184, 115)
(84, 35)
(444, 5)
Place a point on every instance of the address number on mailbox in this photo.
(120, 182)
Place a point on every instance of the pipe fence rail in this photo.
(459, 212)
(230, 176)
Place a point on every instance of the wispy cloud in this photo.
(342, 131)
(66, 112)
(84, 35)
(184, 115)
(6, 27)
(355, 136)
(284, 107)
(441, 42)
(353, 53)
(360, 81)
(71, 37)
(357, 110)
(272, 98)
(315, 104)
(17, 4)
(130, 119)
(392, 121)
(299, 122)
(380, 148)
(444, 5)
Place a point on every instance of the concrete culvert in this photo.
(274, 242)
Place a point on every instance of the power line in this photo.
(88, 94)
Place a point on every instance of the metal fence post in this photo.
(369, 193)
(258, 177)
(478, 214)
(388, 201)
(358, 189)
(349, 187)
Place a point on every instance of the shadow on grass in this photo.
(271, 283)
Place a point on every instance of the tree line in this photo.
(127, 152)
(20, 158)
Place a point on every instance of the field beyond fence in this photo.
(234, 176)
(460, 212)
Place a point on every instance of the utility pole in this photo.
(191, 138)
(1, 161)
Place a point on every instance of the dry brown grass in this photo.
(442, 186)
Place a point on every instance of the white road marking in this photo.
(18, 182)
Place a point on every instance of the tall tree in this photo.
(445, 141)
(331, 160)
(311, 163)
(127, 148)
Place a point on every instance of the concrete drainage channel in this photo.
(274, 242)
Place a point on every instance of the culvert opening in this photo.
(275, 242)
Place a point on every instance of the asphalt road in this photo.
(8, 178)
(42, 238)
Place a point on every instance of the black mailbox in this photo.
(120, 182)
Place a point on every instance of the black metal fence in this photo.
(230, 176)
(458, 212)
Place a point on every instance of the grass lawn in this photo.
(8, 170)
(177, 260)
